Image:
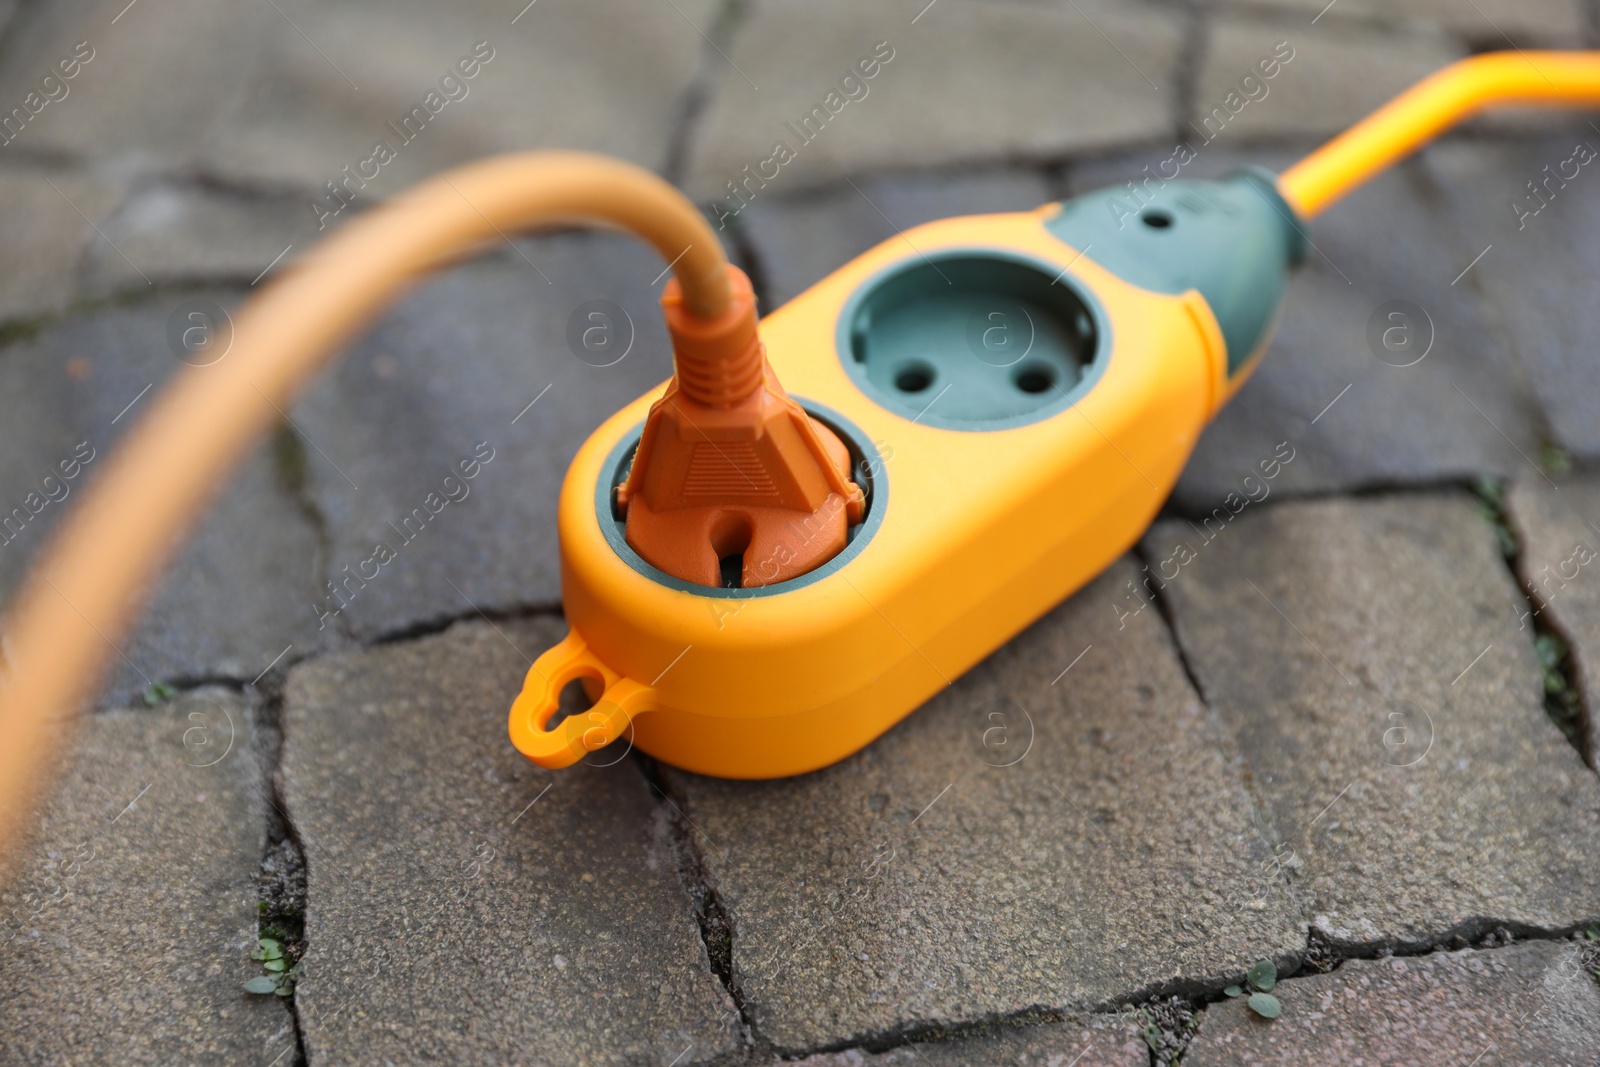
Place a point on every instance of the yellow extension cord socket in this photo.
(970, 532)
(1018, 393)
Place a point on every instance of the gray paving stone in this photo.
(1368, 658)
(1094, 1042)
(1462, 410)
(1559, 530)
(561, 76)
(155, 83)
(176, 234)
(1098, 74)
(456, 910)
(1541, 278)
(238, 593)
(798, 241)
(131, 911)
(1339, 72)
(1491, 23)
(1530, 1003)
(292, 96)
(456, 365)
(917, 883)
(42, 237)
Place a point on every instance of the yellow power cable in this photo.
(85, 591)
(1431, 107)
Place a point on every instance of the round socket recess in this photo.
(973, 340)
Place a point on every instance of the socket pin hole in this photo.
(913, 377)
(1035, 378)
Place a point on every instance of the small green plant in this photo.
(1554, 460)
(1259, 979)
(281, 974)
(1166, 1026)
(158, 692)
(1560, 697)
(1492, 505)
(1149, 1030)
(1265, 1005)
(1552, 653)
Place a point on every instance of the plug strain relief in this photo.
(719, 360)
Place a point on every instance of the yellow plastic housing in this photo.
(981, 533)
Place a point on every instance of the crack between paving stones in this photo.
(1165, 611)
(14, 27)
(26, 157)
(726, 19)
(280, 874)
(1575, 720)
(1325, 957)
(291, 470)
(281, 878)
(710, 914)
(1186, 71)
(188, 683)
(1057, 179)
(1321, 957)
(750, 261)
(439, 624)
(1573, 716)
(15, 328)
(1552, 643)
(182, 684)
(929, 1033)
(250, 190)
(1377, 490)
(1179, 1025)
(1262, 817)
(291, 464)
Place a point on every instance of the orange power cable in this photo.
(1431, 107)
(88, 587)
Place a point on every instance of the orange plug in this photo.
(733, 483)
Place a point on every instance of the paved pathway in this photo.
(1354, 735)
